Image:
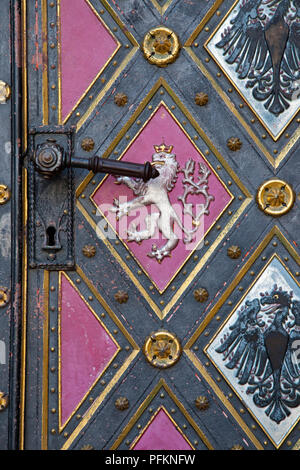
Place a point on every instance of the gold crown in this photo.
(163, 148)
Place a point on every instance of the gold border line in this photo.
(232, 386)
(162, 9)
(118, 46)
(223, 398)
(204, 20)
(62, 426)
(116, 255)
(161, 383)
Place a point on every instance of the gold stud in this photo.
(4, 193)
(87, 144)
(89, 251)
(234, 252)
(202, 403)
(121, 297)
(122, 403)
(201, 294)
(121, 99)
(275, 197)
(201, 98)
(234, 144)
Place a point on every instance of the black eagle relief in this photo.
(263, 356)
(264, 43)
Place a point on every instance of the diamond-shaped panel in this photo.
(86, 47)
(187, 185)
(169, 226)
(256, 46)
(86, 348)
(161, 434)
(256, 350)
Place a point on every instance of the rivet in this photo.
(234, 144)
(234, 252)
(121, 99)
(122, 403)
(201, 294)
(87, 144)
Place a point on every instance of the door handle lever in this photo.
(50, 158)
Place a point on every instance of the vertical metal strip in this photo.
(59, 63)
(45, 361)
(45, 62)
(16, 226)
(24, 318)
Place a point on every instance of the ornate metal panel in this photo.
(160, 324)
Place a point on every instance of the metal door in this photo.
(161, 314)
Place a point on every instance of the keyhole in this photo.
(51, 231)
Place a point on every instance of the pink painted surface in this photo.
(86, 45)
(162, 127)
(162, 434)
(86, 349)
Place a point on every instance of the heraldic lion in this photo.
(155, 192)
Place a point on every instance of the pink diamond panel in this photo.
(86, 46)
(162, 127)
(86, 349)
(162, 434)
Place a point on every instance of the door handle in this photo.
(51, 193)
(49, 159)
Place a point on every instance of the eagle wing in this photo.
(244, 42)
(244, 348)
